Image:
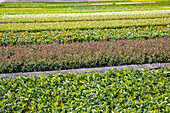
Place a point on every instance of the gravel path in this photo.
(99, 69)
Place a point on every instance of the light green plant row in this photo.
(88, 18)
(31, 10)
(81, 24)
(6, 11)
(120, 13)
(74, 15)
(111, 91)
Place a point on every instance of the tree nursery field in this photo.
(48, 36)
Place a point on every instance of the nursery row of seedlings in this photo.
(17, 4)
(81, 24)
(42, 18)
(138, 23)
(121, 38)
(85, 9)
(112, 91)
(68, 36)
(15, 11)
(75, 15)
(82, 5)
(55, 56)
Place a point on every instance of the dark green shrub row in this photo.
(112, 91)
(55, 56)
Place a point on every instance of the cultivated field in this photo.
(71, 35)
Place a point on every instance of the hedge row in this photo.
(55, 56)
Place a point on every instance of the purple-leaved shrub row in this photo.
(55, 56)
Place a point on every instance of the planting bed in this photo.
(67, 36)
(55, 56)
(82, 24)
(116, 91)
(32, 18)
(56, 38)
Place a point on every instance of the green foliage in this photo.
(79, 5)
(93, 46)
(103, 24)
(118, 91)
(52, 18)
(85, 54)
(64, 36)
(13, 11)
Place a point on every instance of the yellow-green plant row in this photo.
(82, 25)
(31, 10)
(12, 38)
(87, 18)
(112, 91)
(70, 10)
